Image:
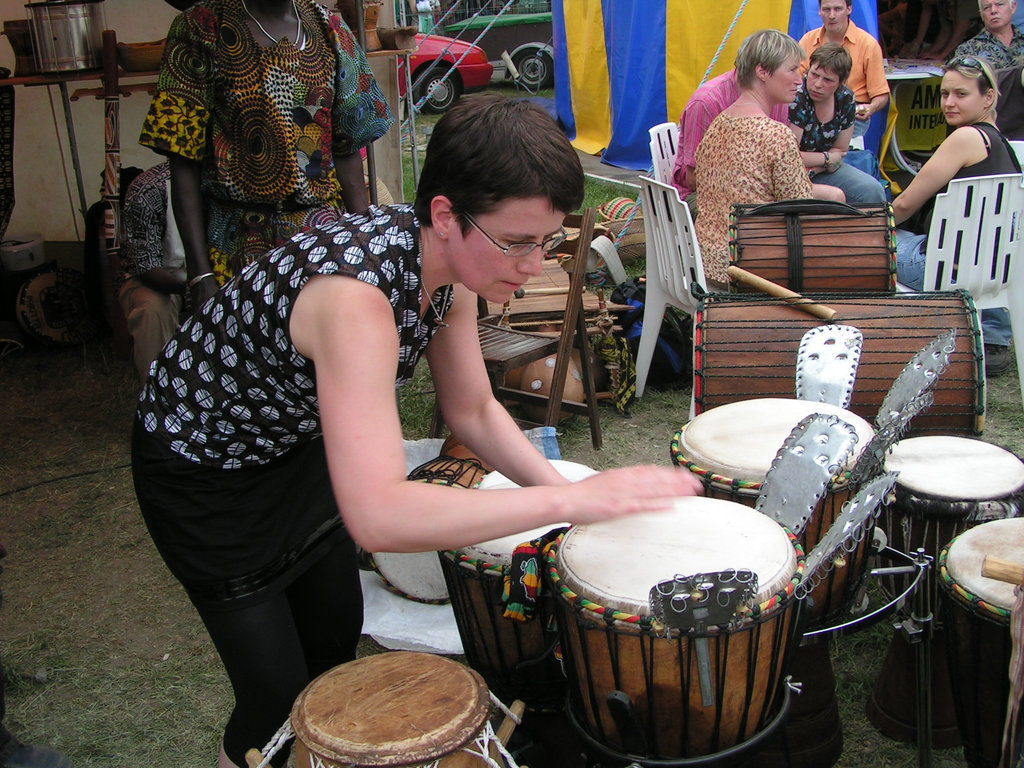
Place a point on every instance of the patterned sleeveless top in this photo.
(230, 389)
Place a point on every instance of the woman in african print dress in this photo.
(262, 107)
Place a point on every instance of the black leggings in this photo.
(272, 650)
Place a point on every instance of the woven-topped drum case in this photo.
(731, 448)
(978, 634)
(602, 575)
(516, 658)
(392, 709)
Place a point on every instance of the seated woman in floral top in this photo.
(822, 119)
(745, 156)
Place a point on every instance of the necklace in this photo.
(300, 34)
(444, 301)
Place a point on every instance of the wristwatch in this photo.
(828, 161)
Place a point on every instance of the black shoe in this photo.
(997, 359)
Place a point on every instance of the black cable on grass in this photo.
(60, 479)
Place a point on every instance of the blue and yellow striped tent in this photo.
(622, 66)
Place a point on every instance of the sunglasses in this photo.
(519, 250)
(969, 62)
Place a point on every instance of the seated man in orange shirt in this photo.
(867, 78)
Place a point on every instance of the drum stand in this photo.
(918, 629)
(735, 755)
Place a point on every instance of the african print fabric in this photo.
(230, 389)
(265, 122)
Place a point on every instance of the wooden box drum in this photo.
(681, 693)
(516, 658)
(731, 448)
(393, 709)
(978, 634)
(745, 346)
(848, 249)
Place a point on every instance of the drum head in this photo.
(398, 708)
(567, 469)
(955, 468)
(499, 551)
(965, 554)
(739, 440)
(52, 307)
(417, 575)
(615, 563)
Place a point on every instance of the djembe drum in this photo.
(642, 688)
(977, 615)
(417, 575)
(731, 448)
(947, 484)
(514, 655)
(393, 709)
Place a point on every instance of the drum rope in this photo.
(276, 744)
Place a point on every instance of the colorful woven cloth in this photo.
(522, 580)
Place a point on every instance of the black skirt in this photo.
(234, 536)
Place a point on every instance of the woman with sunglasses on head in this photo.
(974, 148)
(267, 439)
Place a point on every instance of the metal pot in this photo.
(22, 253)
(67, 35)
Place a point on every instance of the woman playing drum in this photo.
(273, 409)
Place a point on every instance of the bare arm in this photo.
(961, 148)
(349, 171)
(187, 203)
(347, 328)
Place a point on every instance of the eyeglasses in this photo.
(519, 250)
(968, 62)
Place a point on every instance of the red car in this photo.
(448, 80)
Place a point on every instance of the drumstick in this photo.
(507, 726)
(774, 289)
(1002, 570)
(521, 292)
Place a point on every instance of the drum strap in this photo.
(795, 245)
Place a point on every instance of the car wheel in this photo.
(444, 90)
(536, 69)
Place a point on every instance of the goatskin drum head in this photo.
(52, 308)
(955, 468)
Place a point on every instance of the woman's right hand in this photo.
(629, 490)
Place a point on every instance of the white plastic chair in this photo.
(1018, 149)
(975, 243)
(674, 265)
(664, 141)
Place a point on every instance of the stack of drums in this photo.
(394, 709)
(977, 613)
(946, 485)
(731, 448)
(638, 687)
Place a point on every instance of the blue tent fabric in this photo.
(563, 92)
(638, 96)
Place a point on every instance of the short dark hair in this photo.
(489, 148)
(834, 58)
(849, 3)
